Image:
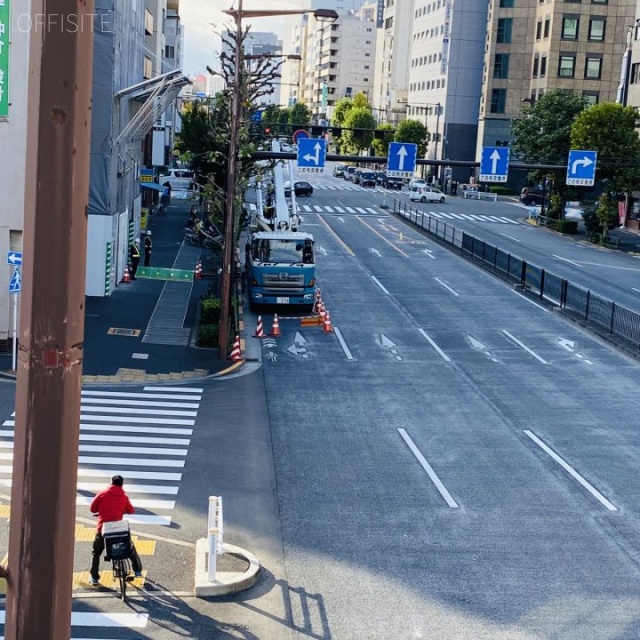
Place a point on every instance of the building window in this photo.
(599, 1)
(593, 68)
(148, 68)
(498, 100)
(539, 30)
(504, 30)
(592, 96)
(148, 23)
(570, 28)
(506, 4)
(543, 66)
(596, 29)
(169, 52)
(635, 73)
(536, 64)
(567, 66)
(501, 65)
(547, 26)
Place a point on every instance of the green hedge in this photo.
(209, 310)
(501, 190)
(208, 335)
(567, 226)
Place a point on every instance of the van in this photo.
(178, 179)
(425, 193)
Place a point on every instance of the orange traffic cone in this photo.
(326, 326)
(316, 301)
(319, 307)
(126, 277)
(259, 330)
(197, 274)
(323, 315)
(235, 352)
(275, 327)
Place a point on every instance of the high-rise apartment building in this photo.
(533, 47)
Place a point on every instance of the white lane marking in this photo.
(108, 473)
(436, 215)
(508, 220)
(144, 420)
(379, 284)
(634, 289)
(93, 619)
(535, 304)
(91, 448)
(360, 210)
(350, 210)
(125, 394)
(153, 412)
(487, 218)
(575, 264)
(318, 209)
(524, 346)
(571, 471)
(86, 437)
(435, 346)
(174, 389)
(307, 208)
(343, 344)
(141, 503)
(370, 210)
(138, 403)
(123, 428)
(427, 467)
(131, 488)
(339, 209)
(164, 521)
(510, 237)
(447, 287)
(128, 462)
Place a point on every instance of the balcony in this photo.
(173, 4)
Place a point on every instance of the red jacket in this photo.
(111, 504)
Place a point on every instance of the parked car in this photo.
(338, 171)
(299, 188)
(392, 183)
(381, 177)
(178, 179)
(357, 176)
(367, 179)
(425, 193)
(527, 198)
(349, 172)
(417, 182)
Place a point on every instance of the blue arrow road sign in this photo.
(311, 155)
(15, 286)
(494, 164)
(401, 161)
(581, 168)
(14, 257)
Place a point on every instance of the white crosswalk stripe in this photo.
(99, 623)
(128, 433)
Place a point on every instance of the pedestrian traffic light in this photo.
(267, 130)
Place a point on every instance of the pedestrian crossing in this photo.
(143, 436)
(441, 215)
(100, 623)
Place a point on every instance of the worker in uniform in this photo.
(134, 257)
(147, 249)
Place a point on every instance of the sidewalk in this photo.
(165, 350)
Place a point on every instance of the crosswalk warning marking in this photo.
(5, 510)
(85, 534)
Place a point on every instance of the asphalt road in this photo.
(454, 461)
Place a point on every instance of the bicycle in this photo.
(118, 545)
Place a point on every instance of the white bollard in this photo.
(215, 529)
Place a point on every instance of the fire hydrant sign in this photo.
(4, 57)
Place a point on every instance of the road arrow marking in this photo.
(299, 339)
(271, 356)
(495, 158)
(403, 153)
(376, 252)
(429, 252)
(585, 162)
(385, 342)
(569, 345)
(321, 251)
(482, 348)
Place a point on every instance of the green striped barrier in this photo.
(162, 273)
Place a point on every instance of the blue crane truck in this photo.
(280, 268)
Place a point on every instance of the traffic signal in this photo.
(336, 132)
(267, 130)
(318, 132)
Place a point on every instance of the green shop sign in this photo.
(4, 58)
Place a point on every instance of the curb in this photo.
(226, 581)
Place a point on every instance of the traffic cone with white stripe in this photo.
(197, 274)
(275, 327)
(326, 325)
(126, 276)
(236, 354)
(259, 330)
(316, 301)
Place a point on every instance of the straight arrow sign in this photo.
(402, 153)
(495, 158)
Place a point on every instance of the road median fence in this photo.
(603, 314)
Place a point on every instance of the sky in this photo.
(203, 18)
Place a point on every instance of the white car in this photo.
(417, 182)
(425, 193)
(178, 179)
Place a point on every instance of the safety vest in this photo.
(135, 251)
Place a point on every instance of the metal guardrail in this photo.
(479, 195)
(596, 310)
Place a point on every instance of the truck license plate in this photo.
(282, 300)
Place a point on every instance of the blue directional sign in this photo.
(311, 155)
(581, 168)
(14, 257)
(494, 164)
(15, 286)
(401, 160)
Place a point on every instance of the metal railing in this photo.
(588, 306)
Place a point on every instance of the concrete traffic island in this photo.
(226, 582)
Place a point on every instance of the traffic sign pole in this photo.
(14, 350)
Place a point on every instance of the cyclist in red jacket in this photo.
(111, 504)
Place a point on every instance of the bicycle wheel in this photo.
(120, 571)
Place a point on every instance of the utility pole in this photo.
(229, 213)
(49, 370)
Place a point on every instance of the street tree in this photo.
(358, 132)
(543, 135)
(342, 107)
(415, 132)
(360, 100)
(384, 135)
(300, 115)
(611, 130)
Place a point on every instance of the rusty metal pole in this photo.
(43, 496)
(229, 213)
